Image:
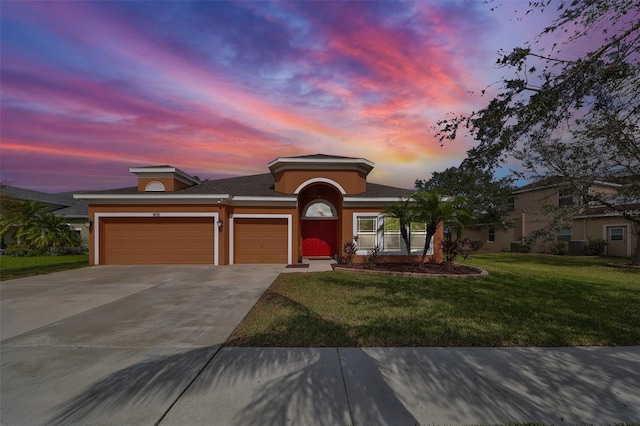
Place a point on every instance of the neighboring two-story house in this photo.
(531, 213)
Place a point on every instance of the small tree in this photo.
(433, 209)
(405, 213)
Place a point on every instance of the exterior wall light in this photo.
(88, 224)
(219, 223)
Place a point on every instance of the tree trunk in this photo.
(407, 244)
(427, 245)
(431, 231)
(635, 260)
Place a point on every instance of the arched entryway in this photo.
(319, 220)
(319, 229)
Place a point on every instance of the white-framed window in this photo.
(616, 234)
(491, 234)
(373, 229)
(391, 234)
(367, 232)
(319, 209)
(418, 234)
(563, 234)
(565, 197)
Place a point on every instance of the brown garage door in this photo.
(158, 240)
(260, 241)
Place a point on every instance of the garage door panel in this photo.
(261, 241)
(157, 240)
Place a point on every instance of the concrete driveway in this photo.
(116, 344)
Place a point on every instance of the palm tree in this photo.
(35, 228)
(404, 212)
(433, 209)
(51, 231)
(20, 216)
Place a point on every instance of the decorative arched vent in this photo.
(154, 186)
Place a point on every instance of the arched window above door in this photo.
(319, 209)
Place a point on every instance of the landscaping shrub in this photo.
(476, 245)
(596, 247)
(349, 249)
(451, 249)
(370, 261)
(559, 249)
(454, 248)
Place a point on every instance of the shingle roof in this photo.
(261, 185)
(31, 195)
(376, 190)
(253, 185)
(61, 204)
(115, 191)
(552, 181)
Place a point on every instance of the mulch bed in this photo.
(297, 265)
(428, 269)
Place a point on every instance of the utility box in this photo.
(577, 248)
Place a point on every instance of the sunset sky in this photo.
(217, 89)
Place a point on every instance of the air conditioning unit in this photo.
(577, 247)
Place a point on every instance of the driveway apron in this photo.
(116, 344)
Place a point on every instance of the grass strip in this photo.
(20, 267)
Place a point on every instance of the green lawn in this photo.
(18, 267)
(527, 300)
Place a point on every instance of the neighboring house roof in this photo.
(23, 194)
(555, 181)
(79, 209)
(61, 204)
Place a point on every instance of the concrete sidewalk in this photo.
(315, 265)
(408, 386)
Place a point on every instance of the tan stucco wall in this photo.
(582, 229)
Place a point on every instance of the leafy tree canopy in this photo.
(571, 106)
(486, 198)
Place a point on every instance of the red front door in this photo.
(319, 237)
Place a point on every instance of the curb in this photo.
(481, 273)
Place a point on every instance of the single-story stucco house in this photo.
(305, 207)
